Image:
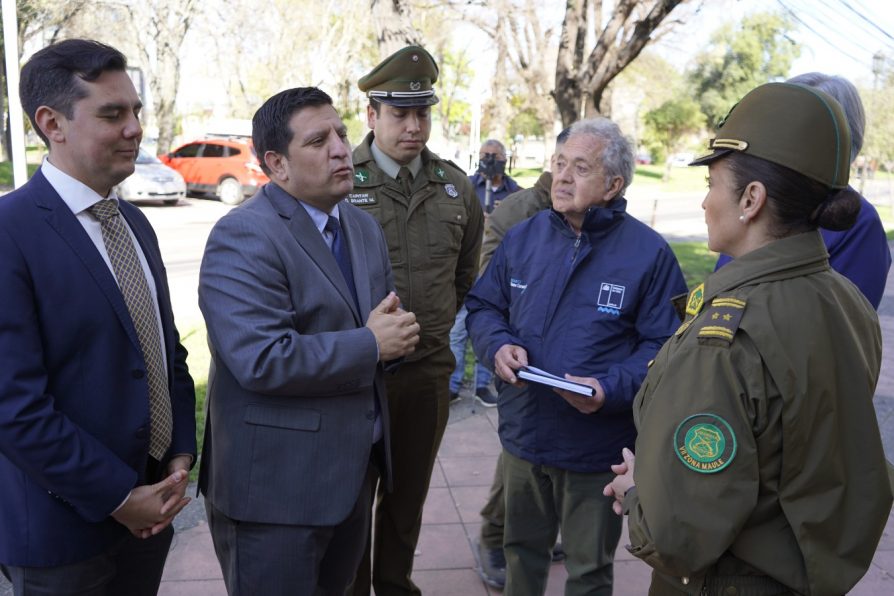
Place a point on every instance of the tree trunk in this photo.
(499, 105)
(619, 43)
(567, 92)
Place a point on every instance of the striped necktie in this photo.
(137, 297)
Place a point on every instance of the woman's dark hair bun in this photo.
(839, 211)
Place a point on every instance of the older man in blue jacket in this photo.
(585, 291)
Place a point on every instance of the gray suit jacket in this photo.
(294, 372)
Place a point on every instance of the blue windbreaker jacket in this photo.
(596, 305)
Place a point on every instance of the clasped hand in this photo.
(149, 509)
(396, 330)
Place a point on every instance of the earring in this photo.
(742, 218)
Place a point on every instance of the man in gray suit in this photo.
(295, 287)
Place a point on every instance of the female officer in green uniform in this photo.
(759, 466)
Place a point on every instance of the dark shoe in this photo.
(491, 565)
(486, 398)
(558, 552)
(454, 397)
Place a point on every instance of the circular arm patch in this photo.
(705, 443)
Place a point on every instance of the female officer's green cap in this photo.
(794, 126)
(403, 79)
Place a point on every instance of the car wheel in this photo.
(171, 202)
(229, 191)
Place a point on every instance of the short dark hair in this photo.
(270, 125)
(52, 76)
(797, 203)
(376, 105)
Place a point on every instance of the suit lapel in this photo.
(64, 222)
(309, 238)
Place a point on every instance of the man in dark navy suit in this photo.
(97, 408)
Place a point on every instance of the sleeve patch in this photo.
(705, 443)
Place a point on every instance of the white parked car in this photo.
(152, 181)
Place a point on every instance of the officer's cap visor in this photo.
(408, 102)
(706, 159)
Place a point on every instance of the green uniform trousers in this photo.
(494, 511)
(540, 500)
(418, 404)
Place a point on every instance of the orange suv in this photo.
(226, 167)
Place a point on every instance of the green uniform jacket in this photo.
(758, 449)
(512, 210)
(433, 237)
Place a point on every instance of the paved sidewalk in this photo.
(445, 563)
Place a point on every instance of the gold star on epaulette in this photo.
(721, 319)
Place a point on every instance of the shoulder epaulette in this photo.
(721, 319)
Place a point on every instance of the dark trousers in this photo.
(133, 567)
(277, 559)
(540, 500)
(418, 403)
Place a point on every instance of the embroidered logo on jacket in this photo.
(451, 191)
(611, 299)
(705, 443)
(518, 284)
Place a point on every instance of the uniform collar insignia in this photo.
(696, 300)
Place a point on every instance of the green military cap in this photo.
(403, 79)
(794, 126)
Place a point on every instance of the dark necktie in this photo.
(406, 181)
(340, 251)
(137, 297)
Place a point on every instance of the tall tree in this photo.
(581, 84)
(34, 17)
(739, 58)
(530, 54)
(393, 25)
(668, 125)
(455, 73)
(158, 28)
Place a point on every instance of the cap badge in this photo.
(415, 85)
(415, 58)
(451, 190)
(705, 443)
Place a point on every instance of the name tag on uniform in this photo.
(361, 198)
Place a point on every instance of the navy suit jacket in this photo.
(74, 399)
(294, 371)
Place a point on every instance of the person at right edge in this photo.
(861, 252)
(759, 465)
(433, 224)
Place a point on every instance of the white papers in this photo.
(535, 375)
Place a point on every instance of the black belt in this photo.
(743, 585)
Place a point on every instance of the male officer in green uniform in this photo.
(433, 224)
